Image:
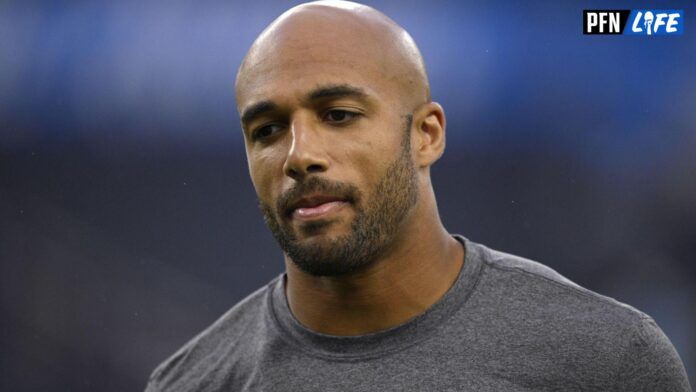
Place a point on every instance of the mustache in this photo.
(314, 185)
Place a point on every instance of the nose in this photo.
(307, 152)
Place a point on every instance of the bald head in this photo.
(335, 109)
(336, 35)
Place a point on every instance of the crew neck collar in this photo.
(381, 342)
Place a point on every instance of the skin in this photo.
(328, 44)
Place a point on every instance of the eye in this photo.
(266, 131)
(339, 116)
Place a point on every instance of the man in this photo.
(340, 133)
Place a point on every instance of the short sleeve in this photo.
(650, 362)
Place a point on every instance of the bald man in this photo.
(340, 133)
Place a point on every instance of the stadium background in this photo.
(128, 222)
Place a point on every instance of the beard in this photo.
(373, 229)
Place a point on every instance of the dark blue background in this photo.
(128, 222)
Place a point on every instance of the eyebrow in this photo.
(319, 93)
(256, 110)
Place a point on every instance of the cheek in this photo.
(265, 169)
(377, 153)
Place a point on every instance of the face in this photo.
(377, 214)
(328, 147)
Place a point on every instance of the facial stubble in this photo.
(374, 227)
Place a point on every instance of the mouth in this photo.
(317, 206)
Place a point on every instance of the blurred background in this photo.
(128, 221)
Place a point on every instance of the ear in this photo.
(429, 134)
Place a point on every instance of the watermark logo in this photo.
(633, 22)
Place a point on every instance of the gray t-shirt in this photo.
(506, 324)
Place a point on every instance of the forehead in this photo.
(287, 85)
(290, 66)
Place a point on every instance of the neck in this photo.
(419, 268)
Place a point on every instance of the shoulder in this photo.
(544, 286)
(231, 334)
(605, 338)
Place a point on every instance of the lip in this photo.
(320, 211)
(316, 206)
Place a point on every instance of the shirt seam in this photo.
(627, 346)
(595, 297)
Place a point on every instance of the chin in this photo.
(320, 229)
